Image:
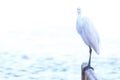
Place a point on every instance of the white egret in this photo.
(88, 34)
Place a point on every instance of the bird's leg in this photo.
(89, 62)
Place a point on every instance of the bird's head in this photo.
(78, 10)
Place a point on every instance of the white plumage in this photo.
(88, 33)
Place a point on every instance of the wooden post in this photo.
(88, 74)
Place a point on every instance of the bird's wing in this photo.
(91, 35)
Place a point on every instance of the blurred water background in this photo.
(38, 39)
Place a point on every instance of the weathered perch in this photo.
(88, 74)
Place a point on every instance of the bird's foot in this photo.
(88, 67)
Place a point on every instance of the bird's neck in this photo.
(79, 16)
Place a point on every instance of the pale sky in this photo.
(26, 24)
